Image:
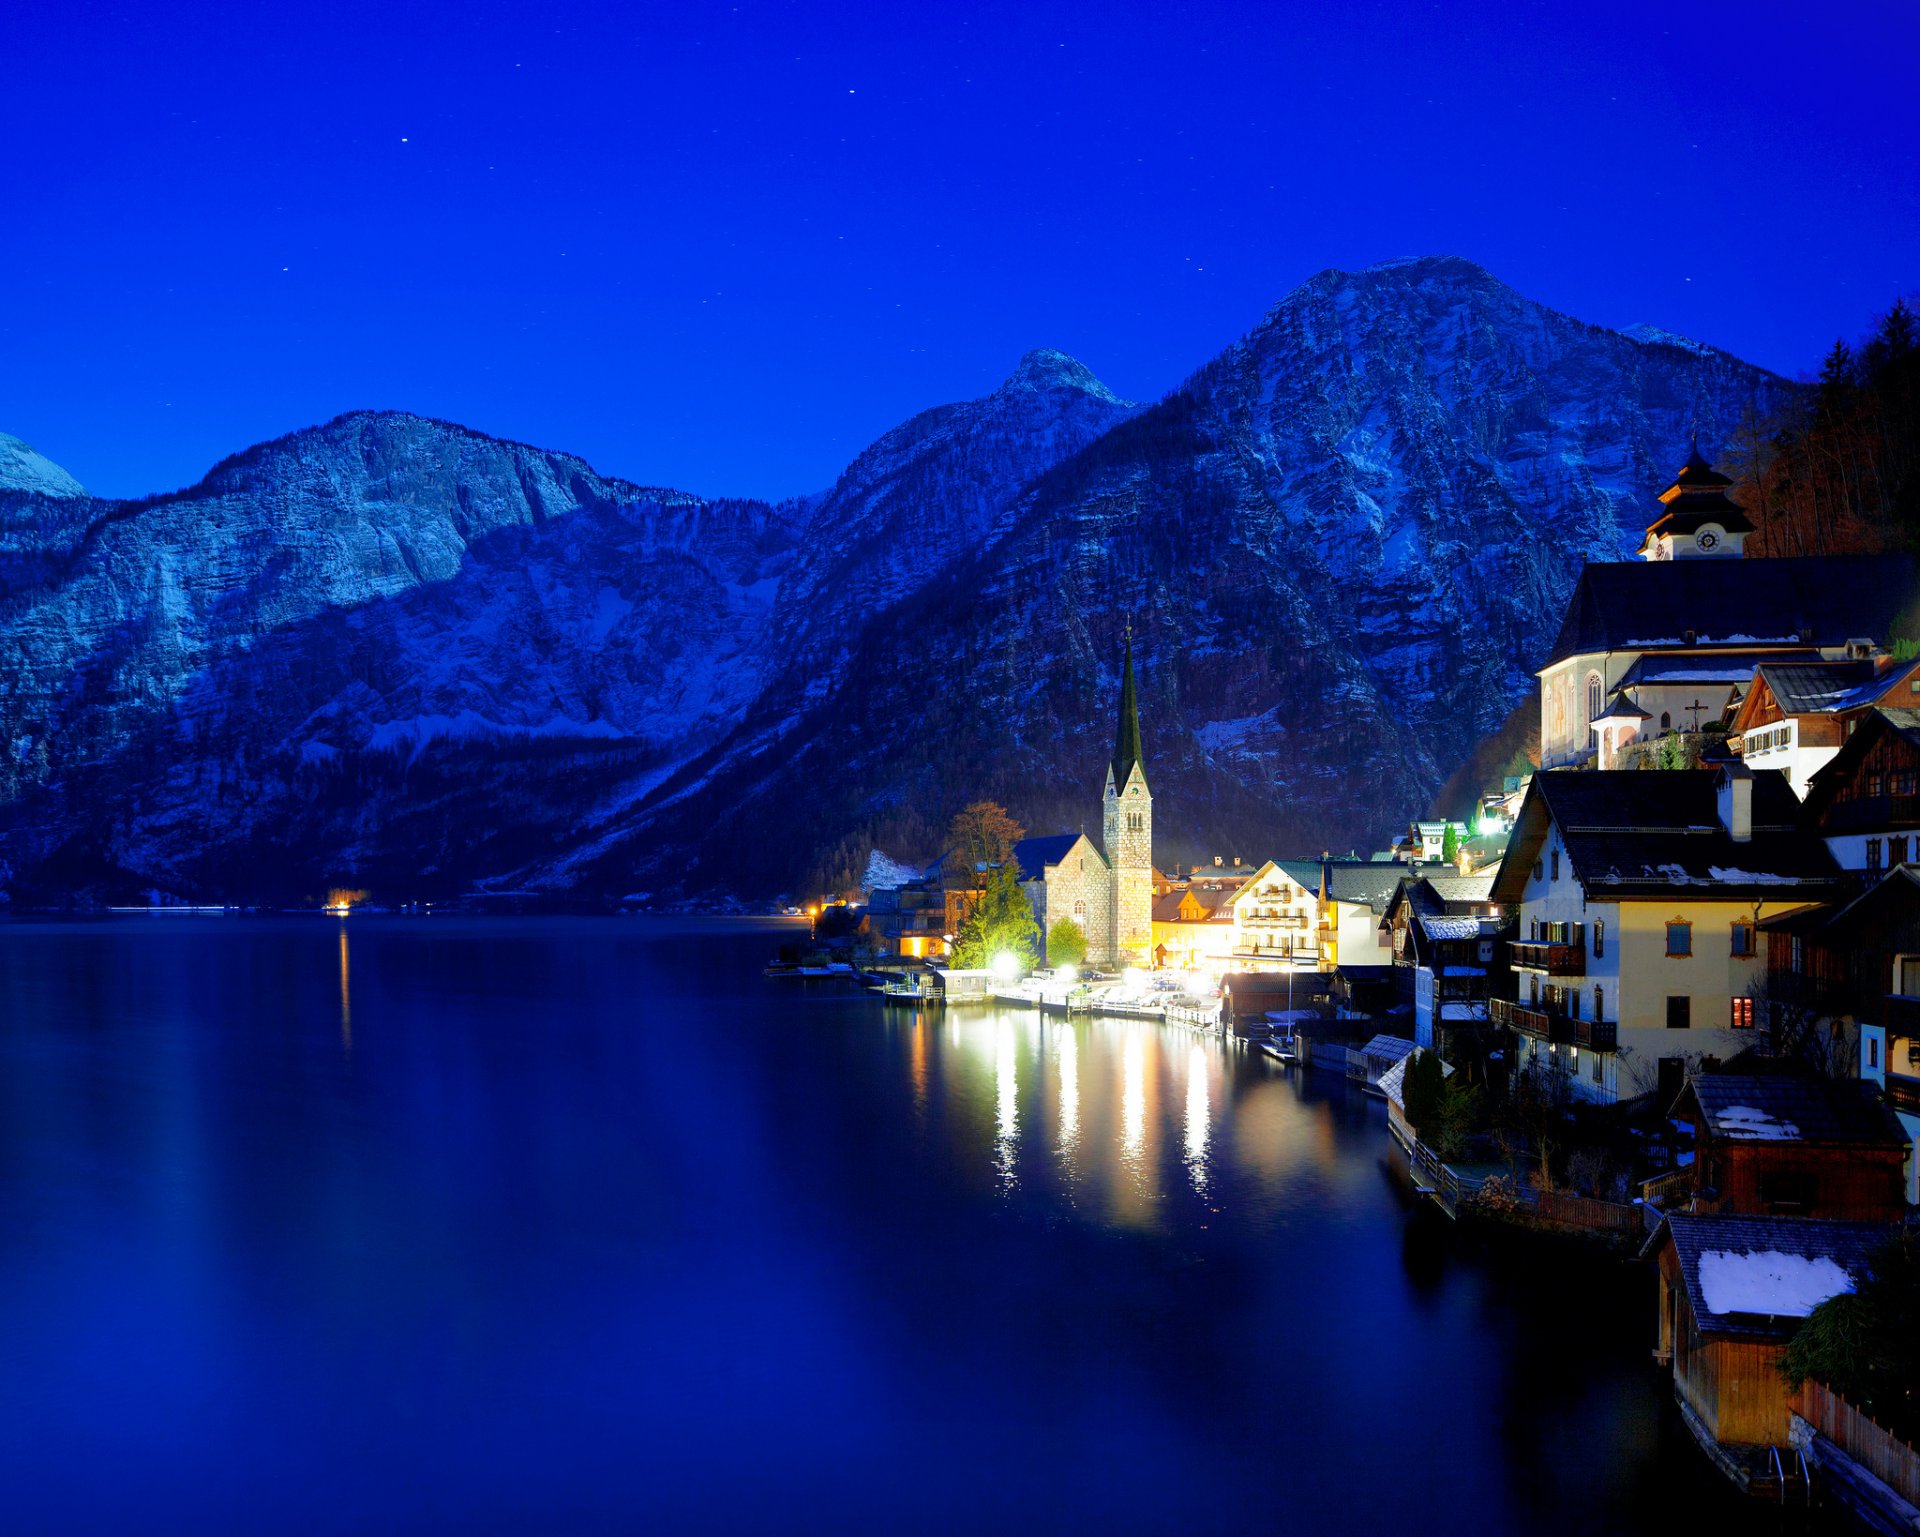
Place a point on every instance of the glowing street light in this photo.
(1006, 965)
(1069, 974)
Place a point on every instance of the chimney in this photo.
(1736, 801)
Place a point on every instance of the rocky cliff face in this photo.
(394, 652)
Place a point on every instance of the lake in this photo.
(409, 1225)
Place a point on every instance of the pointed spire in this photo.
(1126, 747)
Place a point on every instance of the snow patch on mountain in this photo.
(25, 468)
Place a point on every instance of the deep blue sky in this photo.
(723, 247)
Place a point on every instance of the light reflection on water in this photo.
(1197, 1117)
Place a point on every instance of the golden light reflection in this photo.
(1068, 1057)
(1133, 1094)
(1006, 1073)
(1197, 1117)
(346, 997)
(917, 1059)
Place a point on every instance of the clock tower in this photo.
(1700, 520)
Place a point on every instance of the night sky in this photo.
(723, 247)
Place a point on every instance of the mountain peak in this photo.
(24, 468)
(1047, 368)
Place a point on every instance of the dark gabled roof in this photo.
(1724, 669)
(1391, 1047)
(1699, 495)
(1787, 1107)
(1810, 600)
(1901, 883)
(1166, 907)
(1656, 834)
(1850, 1245)
(1370, 883)
(1033, 855)
(1878, 722)
(1818, 688)
(1304, 873)
(1451, 888)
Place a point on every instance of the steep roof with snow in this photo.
(1759, 1276)
(1782, 1107)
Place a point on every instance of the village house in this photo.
(909, 921)
(1732, 1290)
(1850, 973)
(1353, 901)
(1693, 602)
(1275, 916)
(1866, 801)
(1792, 1144)
(1445, 930)
(1795, 716)
(1639, 899)
(1193, 927)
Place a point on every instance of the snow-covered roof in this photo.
(1757, 1276)
(1444, 927)
(1392, 1047)
(1779, 1107)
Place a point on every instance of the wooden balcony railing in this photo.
(1903, 1092)
(1555, 959)
(1556, 1027)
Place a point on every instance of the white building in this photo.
(1639, 897)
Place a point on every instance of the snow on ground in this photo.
(1769, 1283)
(886, 874)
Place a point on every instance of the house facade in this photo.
(1276, 918)
(1796, 716)
(1639, 897)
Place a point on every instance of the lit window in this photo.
(1742, 1014)
(1679, 937)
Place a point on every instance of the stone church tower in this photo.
(1128, 833)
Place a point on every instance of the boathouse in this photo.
(1732, 1291)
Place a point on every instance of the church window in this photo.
(1593, 695)
(1666, 720)
(1080, 909)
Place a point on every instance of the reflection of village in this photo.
(1671, 981)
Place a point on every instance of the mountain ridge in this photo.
(404, 653)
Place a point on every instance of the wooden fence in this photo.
(1876, 1449)
(1588, 1214)
(1672, 1189)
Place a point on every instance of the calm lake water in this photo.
(396, 1225)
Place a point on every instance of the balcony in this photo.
(1555, 959)
(1552, 1026)
(1903, 1092)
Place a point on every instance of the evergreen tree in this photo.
(1001, 923)
(1450, 845)
(1865, 1344)
(1423, 1089)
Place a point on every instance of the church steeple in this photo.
(1126, 747)
(1697, 516)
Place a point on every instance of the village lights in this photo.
(1068, 974)
(1006, 965)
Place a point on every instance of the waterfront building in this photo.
(1792, 1144)
(1193, 924)
(1444, 932)
(1354, 900)
(1276, 917)
(1692, 604)
(1639, 899)
(1107, 888)
(1732, 1290)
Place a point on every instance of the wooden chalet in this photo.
(1866, 802)
(1732, 1290)
(1797, 715)
(1790, 1144)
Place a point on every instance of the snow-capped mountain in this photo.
(23, 468)
(393, 652)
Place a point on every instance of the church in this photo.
(1660, 644)
(1106, 889)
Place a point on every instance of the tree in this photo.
(1450, 845)
(1865, 1344)
(1066, 945)
(1001, 923)
(1421, 1091)
(980, 836)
